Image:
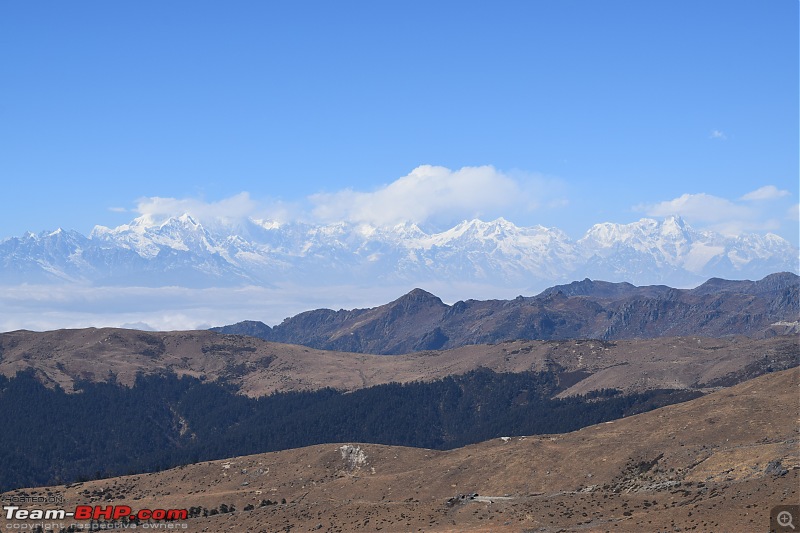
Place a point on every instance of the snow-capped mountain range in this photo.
(181, 251)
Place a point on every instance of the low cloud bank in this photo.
(49, 307)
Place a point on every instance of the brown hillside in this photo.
(717, 463)
(258, 367)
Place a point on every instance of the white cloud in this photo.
(49, 307)
(701, 207)
(427, 194)
(706, 211)
(767, 192)
(232, 208)
(118, 209)
(434, 193)
(719, 135)
(794, 213)
(752, 212)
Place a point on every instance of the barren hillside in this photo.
(717, 463)
(257, 367)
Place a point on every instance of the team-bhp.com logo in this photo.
(96, 512)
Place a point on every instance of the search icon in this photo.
(785, 519)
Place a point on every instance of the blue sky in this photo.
(577, 111)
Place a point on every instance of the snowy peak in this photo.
(646, 230)
(668, 242)
(149, 237)
(673, 224)
(480, 230)
(184, 250)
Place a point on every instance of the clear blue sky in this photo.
(602, 110)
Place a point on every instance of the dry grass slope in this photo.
(258, 367)
(717, 463)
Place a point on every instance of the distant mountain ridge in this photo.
(182, 251)
(580, 310)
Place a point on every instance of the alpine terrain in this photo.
(186, 252)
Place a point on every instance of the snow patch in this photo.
(700, 254)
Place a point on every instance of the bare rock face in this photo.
(353, 456)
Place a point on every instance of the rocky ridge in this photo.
(580, 310)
